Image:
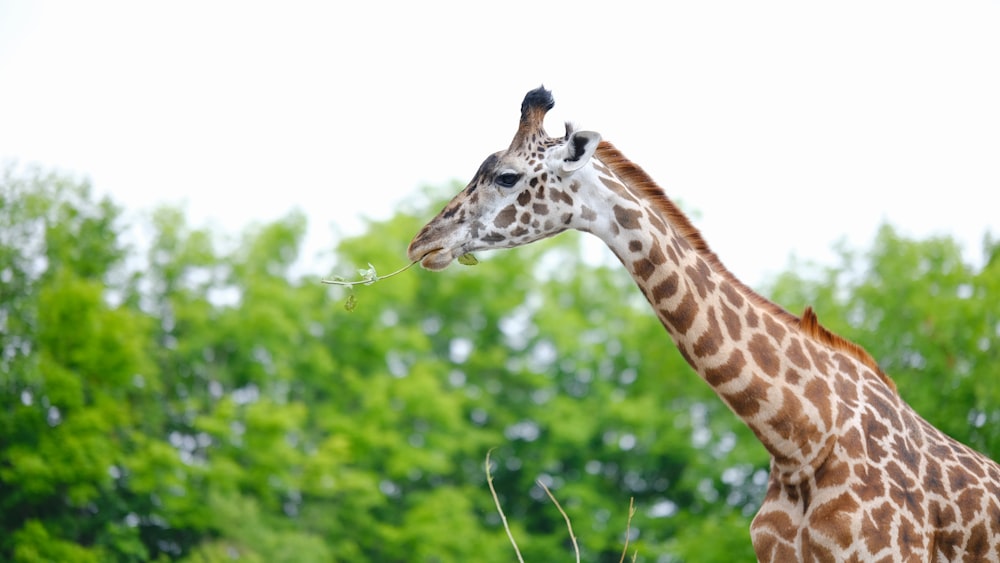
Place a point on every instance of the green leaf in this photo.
(369, 276)
(468, 259)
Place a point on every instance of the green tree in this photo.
(927, 316)
(202, 398)
(76, 376)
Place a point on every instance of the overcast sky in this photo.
(785, 125)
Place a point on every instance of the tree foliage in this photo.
(199, 399)
(928, 316)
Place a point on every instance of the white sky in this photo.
(785, 125)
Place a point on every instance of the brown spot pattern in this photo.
(774, 328)
(627, 218)
(683, 315)
(710, 340)
(819, 358)
(701, 277)
(728, 371)
(764, 354)
(978, 546)
(792, 376)
(817, 392)
(851, 440)
(505, 217)
(796, 355)
(666, 288)
(732, 321)
(672, 254)
(618, 189)
(790, 422)
(778, 522)
(656, 255)
(879, 534)
(903, 490)
(868, 484)
(731, 294)
(561, 196)
(833, 519)
(643, 268)
(875, 433)
(657, 223)
(833, 473)
(746, 402)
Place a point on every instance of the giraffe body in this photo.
(856, 474)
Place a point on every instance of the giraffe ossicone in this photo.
(856, 474)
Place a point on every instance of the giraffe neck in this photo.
(771, 368)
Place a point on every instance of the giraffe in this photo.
(856, 474)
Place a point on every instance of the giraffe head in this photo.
(518, 195)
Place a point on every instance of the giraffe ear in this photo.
(579, 147)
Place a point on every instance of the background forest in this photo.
(195, 397)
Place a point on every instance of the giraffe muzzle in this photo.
(436, 260)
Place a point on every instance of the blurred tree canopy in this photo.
(195, 399)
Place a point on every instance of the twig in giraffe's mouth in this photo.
(368, 276)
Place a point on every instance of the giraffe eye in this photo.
(507, 179)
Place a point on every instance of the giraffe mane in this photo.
(637, 179)
(810, 325)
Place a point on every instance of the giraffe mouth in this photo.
(437, 259)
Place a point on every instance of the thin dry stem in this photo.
(572, 536)
(496, 501)
(628, 530)
(569, 525)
